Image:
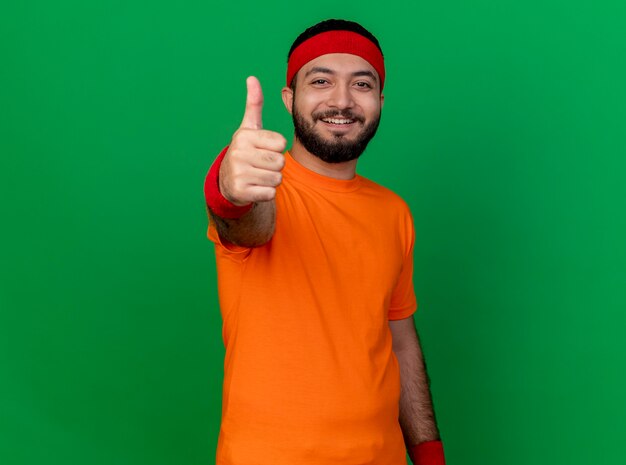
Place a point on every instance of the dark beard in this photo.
(339, 150)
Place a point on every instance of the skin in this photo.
(337, 81)
(251, 171)
(417, 416)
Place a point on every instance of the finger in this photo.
(252, 118)
(268, 160)
(263, 178)
(261, 193)
(260, 139)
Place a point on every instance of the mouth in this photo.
(339, 125)
(338, 121)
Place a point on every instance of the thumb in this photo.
(253, 118)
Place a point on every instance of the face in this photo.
(336, 106)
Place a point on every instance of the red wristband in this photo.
(427, 453)
(214, 198)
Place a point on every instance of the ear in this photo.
(382, 101)
(287, 95)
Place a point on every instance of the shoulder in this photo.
(387, 198)
(391, 212)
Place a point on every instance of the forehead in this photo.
(339, 63)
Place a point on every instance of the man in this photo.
(323, 364)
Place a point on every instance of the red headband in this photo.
(336, 42)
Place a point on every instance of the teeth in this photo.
(337, 121)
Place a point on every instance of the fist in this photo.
(251, 169)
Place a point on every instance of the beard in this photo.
(339, 149)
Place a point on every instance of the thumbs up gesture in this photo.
(251, 169)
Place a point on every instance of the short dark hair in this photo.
(331, 25)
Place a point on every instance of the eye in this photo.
(319, 82)
(364, 85)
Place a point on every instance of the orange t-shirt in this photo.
(310, 375)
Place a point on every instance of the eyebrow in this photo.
(318, 69)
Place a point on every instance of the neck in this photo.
(345, 170)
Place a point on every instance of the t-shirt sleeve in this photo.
(225, 248)
(403, 301)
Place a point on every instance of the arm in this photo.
(417, 417)
(248, 174)
(253, 229)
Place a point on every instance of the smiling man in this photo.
(323, 363)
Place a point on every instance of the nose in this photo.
(341, 97)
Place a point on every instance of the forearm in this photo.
(417, 416)
(243, 219)
(253, 229)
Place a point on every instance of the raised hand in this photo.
(251, 169)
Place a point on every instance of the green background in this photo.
(504, 128)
